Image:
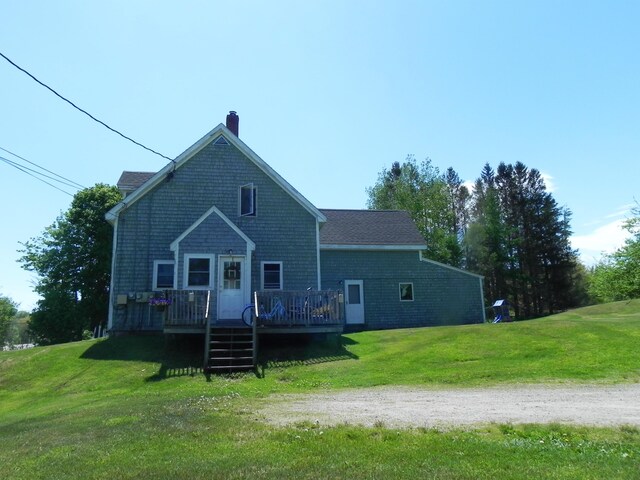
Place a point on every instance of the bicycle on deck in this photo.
(278, 312)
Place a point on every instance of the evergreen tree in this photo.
(520, 241)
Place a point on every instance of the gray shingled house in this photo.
(218, 229)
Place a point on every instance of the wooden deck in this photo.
(277, 312)
(231, 345)
(309, 311)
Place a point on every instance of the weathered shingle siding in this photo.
(283, 230)
(442, 296)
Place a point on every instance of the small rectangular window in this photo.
(406, 292)
(271, 275)
(163, 275)
(248, 199)
(198, 271)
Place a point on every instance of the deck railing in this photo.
(187, 308)
(305, 308)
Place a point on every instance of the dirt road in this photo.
(400, 407)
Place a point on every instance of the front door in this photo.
(230, 287)
(354, 301)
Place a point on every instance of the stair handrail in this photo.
(255, 330)
(207, 333)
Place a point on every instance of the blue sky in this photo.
(328, 93)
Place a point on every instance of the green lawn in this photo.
(137, 408)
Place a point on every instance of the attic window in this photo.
(221, 141)
(248, 200)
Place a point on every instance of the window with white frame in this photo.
(248, 197)
(406, 292)
(163, 274)
(271, 274)
(198, 271)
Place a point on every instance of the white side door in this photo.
(354, 301)
(231, 283)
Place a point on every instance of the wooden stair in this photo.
(229, 349)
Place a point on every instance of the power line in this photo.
(42, 168)
(14, 165)
(83, 111)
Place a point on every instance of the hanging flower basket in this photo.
(160, 303)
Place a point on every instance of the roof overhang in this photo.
(402, 248)
(220, 130)
(455, 269)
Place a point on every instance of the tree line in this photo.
(508, 228)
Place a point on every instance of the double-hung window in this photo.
(406, 292)
(163, 274)
(248, 197)
(271, 274)
(198, 271)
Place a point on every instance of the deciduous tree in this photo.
(420, 189)
(8, 309)
(617, 276)
(73, 261)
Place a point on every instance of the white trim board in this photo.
(411, 248)
(455, 269)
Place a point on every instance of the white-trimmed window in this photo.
(198, 271)
(248, 197)
(271, 275)
(164, 274)
(406, 292)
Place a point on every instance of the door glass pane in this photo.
(232, 275)
(354, 294)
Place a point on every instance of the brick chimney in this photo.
(232, 122)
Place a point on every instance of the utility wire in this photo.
(83, 111)
(14, 165)
(42, 168)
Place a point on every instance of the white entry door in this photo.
(230, 287)
(354, 301)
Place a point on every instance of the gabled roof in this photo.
(185, 156)
(390, 229)
(213, 210)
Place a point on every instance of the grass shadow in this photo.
(179, 356)
(292, 350)
(182, 355)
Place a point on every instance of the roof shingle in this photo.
(369, 227)
(129, 181)
(343, 227)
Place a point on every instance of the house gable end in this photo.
(212, 137)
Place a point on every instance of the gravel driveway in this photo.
(400, 407)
